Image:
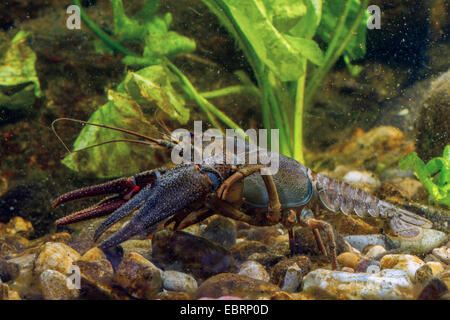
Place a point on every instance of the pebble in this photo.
(242, 250)
(56, 256)
(349, 259)
(361, 241)
(347, 269)
(292, 279)
(254, 270)
(178, 281)
(362, 177)
(443, 253)
(267, 259)
(18, 226)
(368, 266)
(54, 286)
(221, 230)
(185, 252)
(236, 285)
(279, 270)
(387, 285)
(431, 239)
(138, 276)
(433, 290)
(374, 251)
(143, 247)
(8, 294)
(405, 262)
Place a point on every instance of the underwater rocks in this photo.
(138, 276)
(442, 253)
(221, 230)
(244, 249)
(278, 272)
(182, 251)
(56, 256)
(254, 270)
(431, 239)
(230, 284)
(388, 284)
(54, 286)
(179, 282)
(433, 127)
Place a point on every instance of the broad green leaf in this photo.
(331, 10)
(307, 25)
(284, 14)
(309, 48)
(113, 159)
(154, 84)
(268, 43)
(17, 68)
(152, 30)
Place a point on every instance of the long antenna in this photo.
(160, 142)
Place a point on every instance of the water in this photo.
(384, 96)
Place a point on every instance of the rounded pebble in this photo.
(178, 281)
(254, 270)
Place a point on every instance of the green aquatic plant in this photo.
(19, 84)
(277, 40)
(435, 175)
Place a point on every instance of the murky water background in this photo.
(357, 130)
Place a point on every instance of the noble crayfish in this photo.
(189, 193)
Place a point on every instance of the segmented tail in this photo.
(340, 196)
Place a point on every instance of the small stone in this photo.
(178, 281)
(236, 285)
(406, 262)
(56, 256)
(424, 274)
(349, 259)
(138, 276)
(431, 239)
(8, 294)
(445, 276)
(97, 276)
(143, 247)
(267, 259)
(281, 295)
(368, 266)
(362, 178)
(254, 270)
(241, 251)
(374, 251)
(172, 295)
(17, 225)
(436, 267)
(347, 269)
(222, 231)
(387, 285)
(292, 279)
(181, 251)
(56, 286)
(442, 253)
(433, 290)
(361, 241)
(279, 270)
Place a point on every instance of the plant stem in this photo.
(231, 90)
(204, 104)
(298, 116)
(101, 34)
(322, 71)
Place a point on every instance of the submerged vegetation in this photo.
(435, 175)
(277, 40)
